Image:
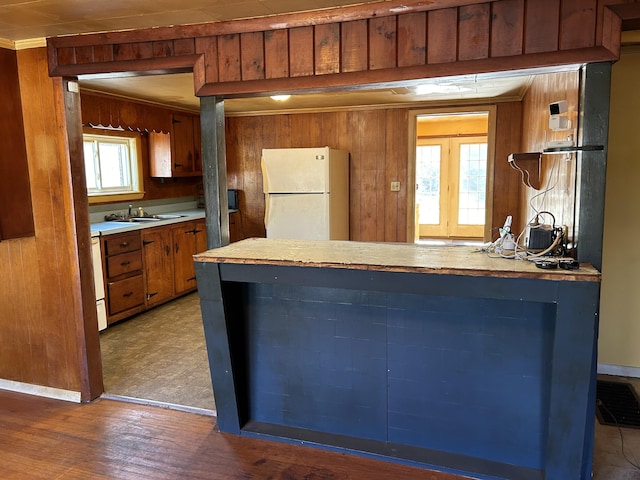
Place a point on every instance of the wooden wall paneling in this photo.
(334, 130)
(84, 54)
(327, 48)
(90, 111)
(20, 302)
(16, 217)
(356, 129)
(66, 55)
(208, 46)
(131, 115)
(252, 48)
(396, 154)
(368, 163)
(142, 50)
(474, 30)
(507, 28)
(162, 48)
(442, 35)
(383, 42)
(301, 48)
(412, 39)
(157, 119)
(546, 17)
(577, 24)
(184, 46)
(355, 46)
(229, 58)
(54, 348)
(560, 201)
(102, 53)
(507, 185)
(123, 51)
(276, 53)
(306, 130)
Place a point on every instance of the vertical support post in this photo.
(592, 165)
(87, 331)
(214, 171)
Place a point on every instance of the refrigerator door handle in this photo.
(266, 210)
(265, 183)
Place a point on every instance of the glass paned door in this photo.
(451, 177)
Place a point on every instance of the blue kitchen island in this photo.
(434, 356)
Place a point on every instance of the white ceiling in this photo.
(23, 20)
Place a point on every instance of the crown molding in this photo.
(30, 43)
(23, 44)
(8, 44)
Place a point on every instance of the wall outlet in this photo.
(395, 186)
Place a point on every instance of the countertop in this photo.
(109, 228)
(392, 257)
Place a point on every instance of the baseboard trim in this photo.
(154, 403)
(40, 391)
(618, 370)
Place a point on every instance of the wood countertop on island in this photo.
(390, 257)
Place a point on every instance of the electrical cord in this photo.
(634, 463)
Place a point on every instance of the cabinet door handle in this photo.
(177, 165)
(128, 294)
(125, 264)
(147, 242)
(167, 250)
(196, 231)
(124, 244)
(177, 247)
(191, 279)
(149, 295)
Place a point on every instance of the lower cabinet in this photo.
(150, 266)
(188, 239)
(123, 270)
(158, 265)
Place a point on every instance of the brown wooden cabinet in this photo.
(176, 154)
(188, 238)
(123, 273)
(151, 266)
(235, 227)
(158, 265)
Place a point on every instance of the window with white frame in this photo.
(112, 166)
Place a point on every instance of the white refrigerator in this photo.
(306, 193)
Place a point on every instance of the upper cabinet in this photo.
(177, 153)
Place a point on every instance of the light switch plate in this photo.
(395, 186)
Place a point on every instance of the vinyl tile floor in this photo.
(160, 357)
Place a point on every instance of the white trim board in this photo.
(618, 370)
(40, 391)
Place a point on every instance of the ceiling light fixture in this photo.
(280, 98)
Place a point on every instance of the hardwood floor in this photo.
(42, 438)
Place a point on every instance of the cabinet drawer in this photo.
(125, 263)
(122, 244)
(125, 294)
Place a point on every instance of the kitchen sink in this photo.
(147, 218)
(168, 216)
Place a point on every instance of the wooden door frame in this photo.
(490, 110)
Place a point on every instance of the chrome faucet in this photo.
(130, 207)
